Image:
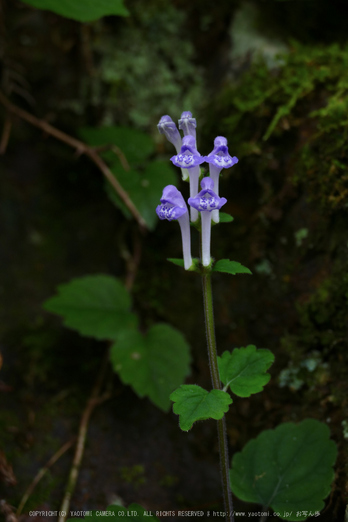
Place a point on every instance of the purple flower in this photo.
(206, 202)
(189, 156)
(167, 127)
(219, 159)
(173, 206)
(188, 124)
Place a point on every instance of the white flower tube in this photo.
(206, 202)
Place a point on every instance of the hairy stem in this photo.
(215, 377)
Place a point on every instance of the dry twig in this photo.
(5, 133)
(42, 473)
(93, 401)
(81, 148)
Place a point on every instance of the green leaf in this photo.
(195, 267)
(144, 189)
(230, 267)
(193, 403)
(134, 513)
(175, 261)
(81, 10)
(288, 468)
(244, 369)
(134, 144)
(225, 218)
(154, 364)
(96, 306)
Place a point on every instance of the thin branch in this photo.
(82, 148)
(7, 510)
(94, 400)
(132, 261)
(6, 132)
(116, 150)
(42, 473)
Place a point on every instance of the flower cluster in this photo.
(207, 202)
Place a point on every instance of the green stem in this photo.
(215, 377)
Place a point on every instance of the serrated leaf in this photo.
(135, 145)
(96, 306)
(244, 369)
(134, 513)
(144, 189)
(192, 403)
(81, 10)
(225, 218)
(154, 364)
(288, 469)
(230, 267)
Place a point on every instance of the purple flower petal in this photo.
(167, 127)
(173, 205)
(220, 156)
(189, 156)
(167, 211)
(172, 196)
(207, 200)
(188, 124)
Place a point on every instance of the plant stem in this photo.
(215, 377)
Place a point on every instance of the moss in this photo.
(133, 474)
(296, 114)
(318, 350)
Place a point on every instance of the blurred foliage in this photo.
(134, 75)
(143, 179)
(81, 10)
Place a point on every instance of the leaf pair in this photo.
(223, 265)
(243, 370)
(99, 306)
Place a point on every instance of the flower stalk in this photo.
(215, 378)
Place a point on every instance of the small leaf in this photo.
(225, 218)
(230, 267)
(244, 369)
(81, 10)
(154, 364)
(134, 513)
(195, 267)
(193, 403)
(96, 306)
(144, 189)
(175, 261)
(288, 468)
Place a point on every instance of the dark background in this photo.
(288, 195)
